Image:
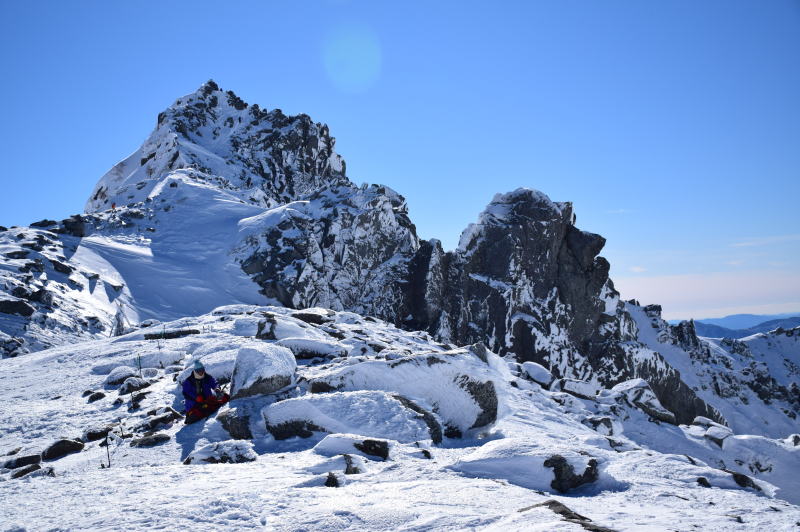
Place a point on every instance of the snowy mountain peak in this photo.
(263, 157)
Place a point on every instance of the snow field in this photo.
(490, 479)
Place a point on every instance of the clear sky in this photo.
(673, 127)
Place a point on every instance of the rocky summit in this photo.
(234, 216)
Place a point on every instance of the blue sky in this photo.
(674, 127)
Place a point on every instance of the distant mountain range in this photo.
(745, 321)
(743, 325)
(710, 330)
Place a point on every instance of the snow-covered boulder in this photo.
(262, 369)
(531, 465)
(581, 389)
(537, 373)
(224, 452)
(217, 355)
(133, 384)
(367, 413)
(638, 393)
(119, 374)
(465, 392)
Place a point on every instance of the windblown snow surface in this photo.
(640, 474)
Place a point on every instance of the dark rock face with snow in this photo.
(267, 157)
(280, 222)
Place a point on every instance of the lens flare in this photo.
(352, 57)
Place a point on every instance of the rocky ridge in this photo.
(524, 280)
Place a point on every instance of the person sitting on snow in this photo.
(201, 394)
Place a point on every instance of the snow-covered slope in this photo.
(528, 458)
(754, 383)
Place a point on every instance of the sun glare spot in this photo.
(352, 58)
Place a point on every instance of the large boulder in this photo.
(540, 465)
(235, 419)
(22, 461)
(16, 306)
(368, 413)
(262, 369)
(458, 386)
(62, 448)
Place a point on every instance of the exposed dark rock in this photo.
(263, 386)
(62, 448)
(434, 426)
(569, 515)
(601, 424)
(74, 225)
(44, 223)
(150, 440)
(26, 470)
(87, 393)
(96, 396)
(21, 254)
(451, 431)
(565, 477)
(61, 267)
(321, 387)
(332, 481)
(427, 454)
(22, 461)
(312, 317)
(15, 306)
(290, 429)
(350, 467)
(373, 448)
(170, 335)
(159, 421)
(484, 395)
(236, 423)
(266, 329)
(98, 433)
(703, 481)
(743, 480)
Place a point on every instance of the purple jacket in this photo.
(192, 388)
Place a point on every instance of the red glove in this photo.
(200, 399)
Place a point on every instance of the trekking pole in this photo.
(108, 452)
